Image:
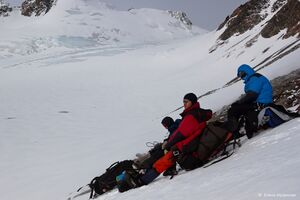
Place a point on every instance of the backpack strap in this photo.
(112, 165)
(225, 154)
(91, 185)
(219, 160)
(92, 194)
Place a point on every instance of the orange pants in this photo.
(164, 162)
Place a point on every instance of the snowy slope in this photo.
(66, 115)
(265, 167)
(65, 122)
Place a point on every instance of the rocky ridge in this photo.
(181, 16)
(244, 18)
(5, 9)
(36, 7)
(259, 20)
(41, 7)
(288, 17)
(285, 15)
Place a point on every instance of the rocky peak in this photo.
(288, 17)
(36, 7)
(244, 18)
(285, 15)
(4, 9)
(182, 17)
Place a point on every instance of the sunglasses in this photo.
(242, 74)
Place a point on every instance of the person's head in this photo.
(167, 122)
(189, 100)
(244, 71)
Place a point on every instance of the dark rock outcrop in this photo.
(223, 23)
(287, 89)
(288, 17)
(36, 7)
(5, 9)
(244, 18)
(278, 4)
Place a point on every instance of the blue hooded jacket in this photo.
(257, 83)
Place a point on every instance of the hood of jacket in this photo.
(247, 69)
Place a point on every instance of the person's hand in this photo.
(163, 146)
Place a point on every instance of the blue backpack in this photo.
(274, 120)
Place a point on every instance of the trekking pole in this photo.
(231, 82)
(256, 68)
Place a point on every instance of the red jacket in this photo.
(192, 124)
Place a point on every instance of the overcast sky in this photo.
(207, 14)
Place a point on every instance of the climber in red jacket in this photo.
(193, 123)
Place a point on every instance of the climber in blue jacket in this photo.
(259, 94)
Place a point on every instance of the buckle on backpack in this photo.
(176, 153)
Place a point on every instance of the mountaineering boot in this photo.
(237, 134)
(171, 171)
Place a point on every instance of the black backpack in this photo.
(129, 179)
(107, 181)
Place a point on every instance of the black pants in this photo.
(250, 114)
(237, 110)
